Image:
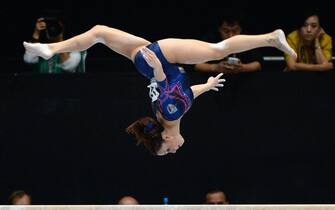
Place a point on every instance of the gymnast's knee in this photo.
(219, 50)
(98, 32)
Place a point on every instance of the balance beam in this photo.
(170, 207)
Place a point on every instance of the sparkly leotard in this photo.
(175, 95)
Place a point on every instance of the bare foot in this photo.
(279, 41)
(38, 49)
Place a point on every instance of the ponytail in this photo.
(147, 131)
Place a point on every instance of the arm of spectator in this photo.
(292, 65)
(206, 67)
(247, 67)
(323, 49)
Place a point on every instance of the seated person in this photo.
(216, 196)
(312, 44)
(248, 61)
(128, 200)
(49, 30)
(19, 198)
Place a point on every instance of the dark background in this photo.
(150, 19)
(267, 137)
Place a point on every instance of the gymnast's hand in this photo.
(151, 58)
(215, 82)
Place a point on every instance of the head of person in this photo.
(216, 197)
(54, 26)
(310, 25)
(54, 31)
(230, 25)
(19, 198)
(128, 200)
(154, 137)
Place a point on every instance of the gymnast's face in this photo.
(170, 144)
(311, 28)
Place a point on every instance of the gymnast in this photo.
(170, 91)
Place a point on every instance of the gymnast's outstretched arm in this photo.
(213, 83)
(152, 60)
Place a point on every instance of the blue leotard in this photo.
(175, 95)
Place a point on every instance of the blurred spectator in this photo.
(312, 44)
(50, 29)
(216, 197)
(128, 200)
(248, 61)
(19, 198)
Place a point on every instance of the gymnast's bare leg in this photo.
(189, 51)
(186, 51)
(119, 41)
